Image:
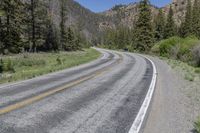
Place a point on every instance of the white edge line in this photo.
(137, 124)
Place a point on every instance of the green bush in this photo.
(165, 46)
(6, 65)
(1, 65)
(196, 55)
(197, 126)
(59, 61)
(184, 49)
(197, 70)
(189, 77)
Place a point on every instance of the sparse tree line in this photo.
(27, 26)
(146, 32)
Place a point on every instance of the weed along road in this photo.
(109, 95)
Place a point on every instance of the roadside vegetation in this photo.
(183, 49)
(28, 26)
(31, 44)
(187, 71)
(29, 65)
(197, 126)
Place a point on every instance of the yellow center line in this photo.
(41, 96)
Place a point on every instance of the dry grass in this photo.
(26, 66)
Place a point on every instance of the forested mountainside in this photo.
(127, 14)
(32, 25)
(46, 25)
(93, 23)
(78, 17)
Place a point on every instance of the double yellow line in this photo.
(41, 96)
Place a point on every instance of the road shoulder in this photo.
(171, 110)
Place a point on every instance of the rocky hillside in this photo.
(127, 14)
(78, 17)
(92, 23)
(179, 7)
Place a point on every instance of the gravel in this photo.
(176, 103)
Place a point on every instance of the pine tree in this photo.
(1, 37)
(63, 32)
(33, 24)
(11, 26)
(36, 19)
(186, 26)
(144, 29)
(108, 39)
(196, 18)
(80, 40)
(52, 39)
(70, 44)
(159, 25)
(170, 27)
(1, 28)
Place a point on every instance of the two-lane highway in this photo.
(103, 96)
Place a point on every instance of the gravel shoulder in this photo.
(176, 102)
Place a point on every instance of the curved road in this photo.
(103, 96)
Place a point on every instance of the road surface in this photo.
(103, 96)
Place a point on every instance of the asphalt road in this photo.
(103, 96)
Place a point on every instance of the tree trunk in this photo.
(33, 25)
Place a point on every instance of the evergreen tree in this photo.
(186, 26)
(1, 28)
(119, 38)
(37, 18)
(159, 26)
(11, 26)
(63, 32)
(196, 18)
(170, 27)
(52, 39)
(1, 37)
(70, 44)
(122, 37)
(144, 29)
(80, 40)
(109, 38)
(33, 24)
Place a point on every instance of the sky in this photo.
(102, 5)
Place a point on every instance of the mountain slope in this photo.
(127, 14)
(91, 24)
(78, 17)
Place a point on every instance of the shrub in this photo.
(165, 46)
(184, 49)
(156, 49)
(197, 70)
(189, 77)
(25, 56)
(59, 61)
(6, 65)
(1, 65)
(196, 55)
(197, 126)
